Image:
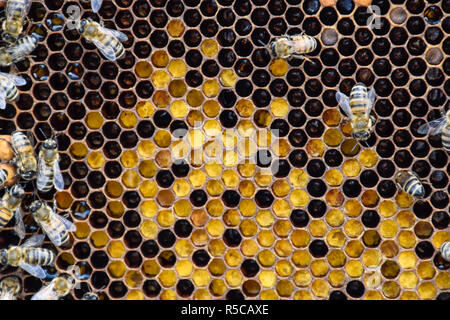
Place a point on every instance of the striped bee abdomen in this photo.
(446, 137)
(413, 187)
(44, 181)
(358, 98)
(21, 142)
(445, 251)
(304, 44)
(3, 176)
(39, 256)
(5, 216)
(57, 229)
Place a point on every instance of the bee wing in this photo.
(54, 237)
(69, 225)
(42, 178)
(344, 102)
(2, 101)
(36, 271)
(108, 52)
(433, 127)
(11, 8)
(17, 80)
(57, 176)
(27, 6)
(20, 226)
(96, 5)
(34, 241)
(118, 34)
(46, 293)
(371, 96)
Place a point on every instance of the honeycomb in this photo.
(329, 223)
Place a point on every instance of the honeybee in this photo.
(56, 289)
(24, 159)
(288, 47)
(108, 41)
(435, 127)
(55, 226)
(358, 109)
(90, 296)
(3, 176)
(16, 11)
(95, 4)
(8, 89)
(49, 173)
(10, 206)
(10, 288)
(28, 257)
(409, 182)
(16, 52)
(445, 251)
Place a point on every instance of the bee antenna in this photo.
(45, 136)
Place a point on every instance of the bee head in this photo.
(35, 205)
(17, 191)
(90, 296)
(3, 259)
(50, 144)
(27, 174)
(361, 136)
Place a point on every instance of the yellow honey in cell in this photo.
(99, 239)
(135, 295)
(336, 238)
(281, 148)
(299, 198)
(133, 279)
(353, 208)
(320, 288)
(303, 295)
(94, 120)
(114, 189)
(211, 88)
(184, 268)
(217, 267)
(370, 198)
(232, 217)
(160, 58)
(283, 248)
(388, 228)
(331, 117)
(150, 268)
(229, 158)
(249, 247)
(300, 238)
(406, 239)
(334, 198)
(285, 288)
(262, 118)
(78, 150)
(317, 228)
(334, 177)
(439, 238)
(131, 179)
(263, 138)
(195, 118)
(278, 67)
(354, 248)
(246, 188)
(279, 107)
(389, 248)
(160, 79)
(346, 128)
(335, 218)
(332, 137)
(246, 128)
(209, 47)
(266, 238)
(284, 268)
(181, 188)
(165, 198)
(281, 188)
(149, 229)
(182, 208)
(179, 149)
(246, 169)
(212, 149)
(127, 119)
(148, 208)
(426, 290)
(179, 109)
(148, 188)
(354, 269)
(115, 209)
(177, 68)
(302, 278)
(371, 258)
(162, 138)
(281, 208)
(201, 278)
(116, 249)
(147, 168)
(233, 258)
(405, 219)
(387, 208)
(368, 158)
(301, 258)
(229, 138)
(319, 268)
(336, 278)
(282, 228)
(215, 207)
(218, 287)
(143, 69)
(245, 108)
(194, 98)
(315, 147)
(211, 108)
(228, 77)
(168, 295)
(168, 278)
(175, 28)
(63, 199)
(177, 88)
(183, 248)
(350, 147)
(443, 280)
(145, 109)
(165, 218)
(353, 228)
(213, 170)
(129, 159)
(268, 295)
(408, 280)
(298, 178)
(216, 248)
(83, 230)
(215, 228)
(199, 237)
(373, 295)
(117, 269)
(266, 258)
(161, 98)
(351, 168)
(264, 218)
